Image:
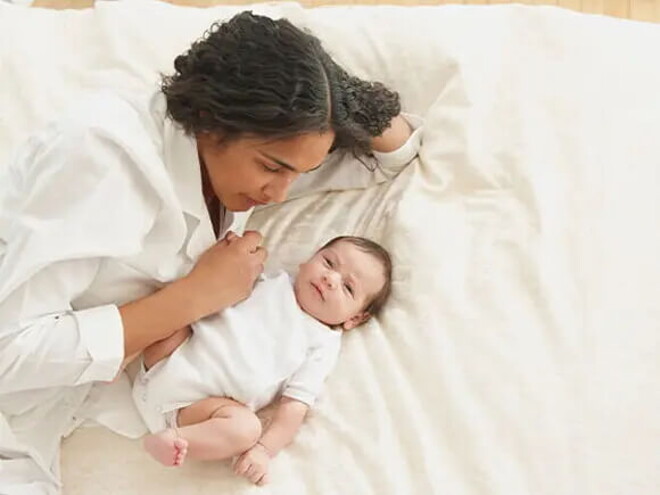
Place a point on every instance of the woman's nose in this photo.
(278, 189)
(277, 194)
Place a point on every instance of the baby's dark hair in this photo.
(380, 253)
(258, 76)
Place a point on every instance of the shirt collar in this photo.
(182, 164)
(181, 159)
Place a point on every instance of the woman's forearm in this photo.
(223, 275)
(288, 418)
(393, 137)
(157, 316)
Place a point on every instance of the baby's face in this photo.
(335, 285)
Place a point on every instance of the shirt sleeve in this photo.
(70, 199)
(307, 382)
(46, 343)
(343, 171)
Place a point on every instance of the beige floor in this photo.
(643, 10)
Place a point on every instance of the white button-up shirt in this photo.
(102, 207)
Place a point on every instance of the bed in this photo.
(520, 353)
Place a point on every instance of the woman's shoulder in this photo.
(103, 133)
(87, 154)
(120, 116)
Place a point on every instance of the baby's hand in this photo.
(253, 465)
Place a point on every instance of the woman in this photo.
(109, 217)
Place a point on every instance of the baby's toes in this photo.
(181, 443)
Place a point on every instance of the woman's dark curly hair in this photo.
(255, 75)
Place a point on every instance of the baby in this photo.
(279, 344)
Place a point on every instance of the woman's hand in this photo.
(225, 273)
(253, 465)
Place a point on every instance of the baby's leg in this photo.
(164, 348)
(158, 350)
(212, 429)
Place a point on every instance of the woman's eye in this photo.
(270, 168)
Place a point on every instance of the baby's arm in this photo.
(163, 348)
(289, 416)
(287, 419)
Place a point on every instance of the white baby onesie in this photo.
(251, 352)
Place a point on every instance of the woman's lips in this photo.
(253, 202)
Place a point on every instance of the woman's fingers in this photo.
(251, 243)
(226, 272)
(230, 236)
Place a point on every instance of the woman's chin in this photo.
(238, 205)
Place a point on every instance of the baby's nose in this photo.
(331, 279)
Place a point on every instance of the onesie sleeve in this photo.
(306, 384)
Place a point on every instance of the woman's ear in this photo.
(212, 140)
(356, 320)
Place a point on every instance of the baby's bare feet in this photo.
(166, 447)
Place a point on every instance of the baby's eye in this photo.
(327, 261)
(349, 289)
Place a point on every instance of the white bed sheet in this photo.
(520, 353)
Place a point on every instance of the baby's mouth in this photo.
(316, 287)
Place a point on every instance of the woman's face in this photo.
(251, 171)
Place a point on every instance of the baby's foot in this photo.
(167, 447)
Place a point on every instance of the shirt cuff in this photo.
(102, 334)
(403, 155)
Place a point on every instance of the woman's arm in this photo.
(223, 276)
(158, 350)
(393, 137)
(47, 343)
(72, 201)
(60, 234)
(393, 150)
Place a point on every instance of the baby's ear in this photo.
(356, 320)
